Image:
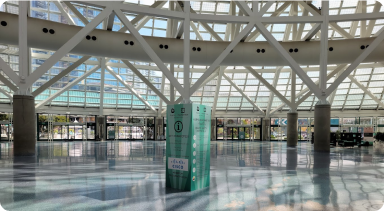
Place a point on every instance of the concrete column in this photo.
(322, 127)
(100, 125)
(213, 129)
(266, 124)
(159, 127)
(24, 123)
(292, 132)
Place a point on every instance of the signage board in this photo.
(188, 146)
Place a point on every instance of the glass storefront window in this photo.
(366, 120)
(220, 121)
(380, 120)
(245, 121)
(274, 121)
(303, 122)
(220, 133)
(350, 121)
(232, 121)
(257, 121)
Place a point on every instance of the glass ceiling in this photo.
(116, 95)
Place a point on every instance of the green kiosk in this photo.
(188, 146)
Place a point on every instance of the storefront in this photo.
(130, 128)
(65, 127)
(238, 128)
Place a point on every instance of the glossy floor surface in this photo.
(244, 176)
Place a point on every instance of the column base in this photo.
(322, 128)
(292, 133)
(24, 124)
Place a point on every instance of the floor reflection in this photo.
(244, 176)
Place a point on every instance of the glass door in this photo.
(235, 133)
(247, 132)
(229, 133)
(303, 134)
(57, 132)
(256, 133)
(220, 133)
(64, 132)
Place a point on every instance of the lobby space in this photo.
(130, 175)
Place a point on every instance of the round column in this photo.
(322, 127)
(24, 125)
(266, 123)
(292, 132)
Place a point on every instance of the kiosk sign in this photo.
(188, 146)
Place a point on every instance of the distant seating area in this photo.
(346, 139)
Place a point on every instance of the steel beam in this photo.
(329, 76)
(186, 54)
(7, 94)
(253, 36)
(271, 94)
(315, 29)
(23, 48)
(244, 8)
(269, 86)
(217, 90)
(266, 7)
(8, 83)
(64, 13)
(68, 86)
(324, 51)
(222, 56)
(151, 53)
(372, 23)
(68, 46)
(146, 81)
(353, 66)
(292, 63)
(110, 22)
(62, 74)
(133, 91)
(366, 90)
(102, 85)
(76, 12)
(9, 72)
(243, 94)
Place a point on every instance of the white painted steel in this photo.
(111, 44)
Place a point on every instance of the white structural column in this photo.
(329, 76)
(271, 94)
(186, 54)
(62, 74)
(217, 90)
(210, 78)
(102, 85)
(68, 86)
(324, 52)
(68, 46)
(243, 94)
(221, 57)
(23, 48)
(293, 90)
(155, 58)
(171, 87)
(133, 91)
(146, 81)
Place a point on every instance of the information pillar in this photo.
(188, 146)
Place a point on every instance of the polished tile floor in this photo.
(244, 176)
